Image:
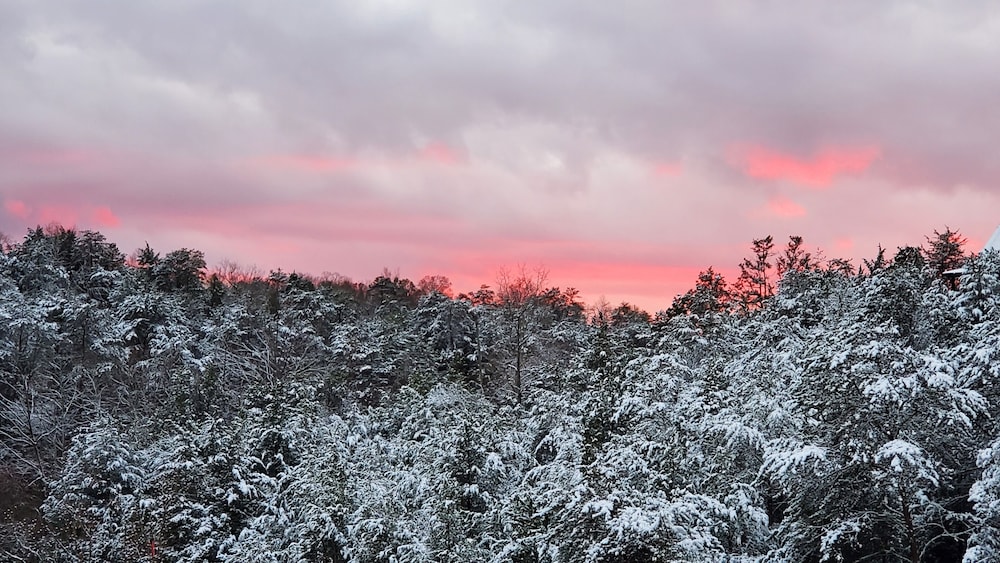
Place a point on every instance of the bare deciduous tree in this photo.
(519, 293)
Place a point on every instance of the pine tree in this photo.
(709, 298)
(755, 285)
(945, 251)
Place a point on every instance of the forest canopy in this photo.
(810, 410)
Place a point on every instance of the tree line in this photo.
(812, 410)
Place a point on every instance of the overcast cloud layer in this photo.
(625, 145)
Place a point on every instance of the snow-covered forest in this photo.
(810, 410)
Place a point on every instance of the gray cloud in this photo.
(553, 109)
(652, 77)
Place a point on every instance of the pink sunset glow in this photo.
(105, 218)
(668, 169)
(16, 208)
(846, 244)
(819, 170)
(784, 207)
(439, 153)
(624, 148)
(36, 157)
(56, 213)
(306, 163)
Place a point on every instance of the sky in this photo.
(623, 146)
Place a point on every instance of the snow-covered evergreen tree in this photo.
(837, 416)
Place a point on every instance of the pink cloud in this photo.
(784, 207)
(434, 152)
(306, 163)
(818, 171)
(66, 215)
(359, 238)
(347, 220)
(17, 208)
(63, 215)
(47, 157)
(439, 153)
(845, 244)
(105, 217)
(668, 169)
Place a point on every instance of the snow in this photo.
(994, 242)
(391, 431)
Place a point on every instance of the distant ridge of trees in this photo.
(811, 410)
